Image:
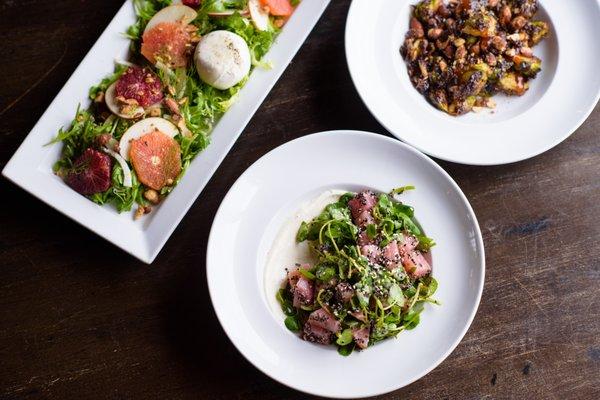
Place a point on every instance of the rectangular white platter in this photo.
(31, 165)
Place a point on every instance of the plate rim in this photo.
(345, 132)
(508, 160)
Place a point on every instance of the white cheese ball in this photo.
(222, 59)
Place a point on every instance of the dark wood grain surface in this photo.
(81, 319)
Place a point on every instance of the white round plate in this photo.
(271, 191)
(557, 103)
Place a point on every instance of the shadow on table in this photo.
(210, 361)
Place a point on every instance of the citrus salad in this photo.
(371, 277)
(154, 114)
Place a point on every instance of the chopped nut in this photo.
(444, 11)
(171, 90)
(103, 139)
(443, 66)
(416, 28)
(139, 212)
(99, 97)
(434, 33)
(518, 22)
(172, 105)
(154, 112)
(449, 52)
(442, 44)
(491, 59)
(527, 51)
(505, 15)
(511, 52)
(499, 43)
(423, 68)
(279, 22)
(169, 182)
(459, 42)
(461, 53)
(185, 131)
(515, 37)
(152, 196)
(182, 101)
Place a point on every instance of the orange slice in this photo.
(156, 159)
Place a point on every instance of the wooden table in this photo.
(81, 319)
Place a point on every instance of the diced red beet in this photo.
(361, 206)
(415, 264)
(141, 85)
(303, 292)
(361, 337)
(90, 173)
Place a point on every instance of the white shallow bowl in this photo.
(557, 103)
(269, 193)
(31, 165)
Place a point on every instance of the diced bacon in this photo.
(361, 206)
(391, 255)
(344, 292)
(415, 264)
(372, 252)
(361, 337)
(359, 316)
(303, 292)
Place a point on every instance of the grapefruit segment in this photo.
(168, 42)
(156, 158)
(279, 8)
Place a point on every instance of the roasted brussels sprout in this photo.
(481, 24)
(460, 53)
(528, 66)
(513, 84)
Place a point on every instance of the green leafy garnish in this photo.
(386, 301)
(201, 105)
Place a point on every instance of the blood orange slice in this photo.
(141, 85)
(168, 42)
(156, 158)
(90, 173)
